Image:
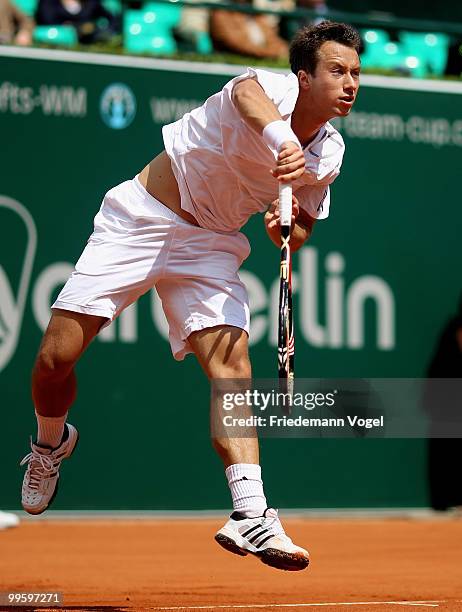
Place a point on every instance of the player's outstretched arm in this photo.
(302, 225)
(260, 114)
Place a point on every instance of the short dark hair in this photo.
(304, 48)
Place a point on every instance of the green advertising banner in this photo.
(373, 289)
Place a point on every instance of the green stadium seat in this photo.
(113, 6)
(384, 54)
(374, 41)
(159, 44)
(374, 36)
(204, 44)
(62, 35)
(396, 56)
(416, 66)
(150, 30)
(392, 56)
(431, 47)
(168, 15)
(195, 42)
(26, 6)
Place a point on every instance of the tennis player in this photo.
(175, 226)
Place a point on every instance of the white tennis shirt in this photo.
(223, 166)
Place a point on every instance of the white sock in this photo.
(50, 430)
(246, 487)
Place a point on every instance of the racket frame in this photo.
(286, 346)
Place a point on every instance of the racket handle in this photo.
(285, 203)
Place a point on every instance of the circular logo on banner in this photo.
(117, 106)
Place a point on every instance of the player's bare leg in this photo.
(223, 352)
(54, 390)
(54, 384)
(253, 527)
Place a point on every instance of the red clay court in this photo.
(358, 564)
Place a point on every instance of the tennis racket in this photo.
(286, 347)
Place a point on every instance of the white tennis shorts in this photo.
(137, 244)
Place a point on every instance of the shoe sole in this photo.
(290, 562)
(230, 545)
(55, 492)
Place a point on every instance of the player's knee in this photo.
(67, 336)
(51, 365)
(236, 367)
(56, 359)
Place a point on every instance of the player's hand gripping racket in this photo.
(286, 348)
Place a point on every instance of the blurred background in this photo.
(410, 37)
(85, 87)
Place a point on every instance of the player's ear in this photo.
(304, 79)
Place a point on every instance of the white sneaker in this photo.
(8, 519)
(265, 538)
(40, 483)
